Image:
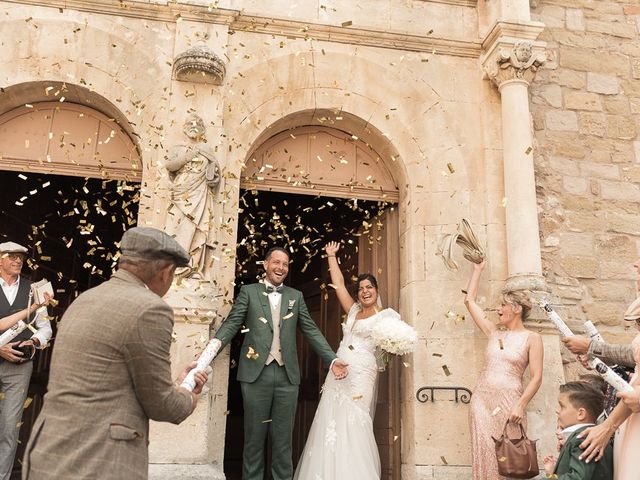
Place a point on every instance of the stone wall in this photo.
(586, 115)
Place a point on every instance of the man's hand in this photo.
(576, 344)
(9, 354)
(339, 369)
(631, 399)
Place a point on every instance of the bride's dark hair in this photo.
(366, 276)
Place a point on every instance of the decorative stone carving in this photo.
(199, 65)
(193, 177)
(521, 61)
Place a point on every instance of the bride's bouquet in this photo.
(393, 336)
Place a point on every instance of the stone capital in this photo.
(512, 53)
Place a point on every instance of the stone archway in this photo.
(48, 128)
(329, 162)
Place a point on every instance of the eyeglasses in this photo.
(15, 256)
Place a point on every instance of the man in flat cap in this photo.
(15, 366)
(111, 372)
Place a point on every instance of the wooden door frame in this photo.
(383, 196)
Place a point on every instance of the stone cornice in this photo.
(356, 36)
(271, 26)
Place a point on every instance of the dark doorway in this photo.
(303, 224)
(71, 226)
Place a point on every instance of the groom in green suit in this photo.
(268, 370)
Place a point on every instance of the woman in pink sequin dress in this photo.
(499, 394)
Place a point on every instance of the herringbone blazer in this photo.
(613, 354)
(251, 309)
(110, 374)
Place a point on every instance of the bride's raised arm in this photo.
(337, 279)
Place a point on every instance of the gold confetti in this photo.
(357, 397)
(288, 316)
(436, 354)
(396, 437)
(502, 459)
(267, 421)
(348, 23)
(496, 411)
(528, 150)
(450, 167)
(244, 330)
(406, 365)
(252, 354)
(446, 371)
(27, 402)
(263, 320)
(444, 460)
(227, 412)
(501, 344)
(351, 347)
(504, 202)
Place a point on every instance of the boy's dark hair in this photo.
(276, 249)
(595, 381)
(585, 395)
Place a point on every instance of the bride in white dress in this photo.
(341, 444)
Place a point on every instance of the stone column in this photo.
(512, 57)
(511, 66)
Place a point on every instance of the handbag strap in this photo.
(522, 432)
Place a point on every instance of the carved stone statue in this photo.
(193, 176)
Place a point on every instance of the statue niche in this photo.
(193, 178)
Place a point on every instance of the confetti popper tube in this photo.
(557, 321)
(205, 358)
(17, 329)
(611, 377)
(592, 331)
(12, 333)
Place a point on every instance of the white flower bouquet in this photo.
(393, 336)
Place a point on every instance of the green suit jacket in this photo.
(570, 467)
(252, 309)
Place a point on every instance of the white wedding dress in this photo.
(341, 444)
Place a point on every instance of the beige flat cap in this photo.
(153, 244)
(12, 247)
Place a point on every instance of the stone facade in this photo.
(586, 113)
(438, 89)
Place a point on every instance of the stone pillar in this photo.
(511, 64)
(512, 56)
(194, 450)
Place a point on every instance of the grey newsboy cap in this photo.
(12, 247)
(153, 244)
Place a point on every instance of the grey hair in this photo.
(144, 268)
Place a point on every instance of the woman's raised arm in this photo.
(477, 313)
(337, 279)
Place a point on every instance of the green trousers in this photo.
(269, 406)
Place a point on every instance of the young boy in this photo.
(579, 405)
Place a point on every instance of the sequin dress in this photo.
(627, 440)
(341, 444)
(498, 389)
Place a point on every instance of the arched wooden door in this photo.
(67, 139)
(320, 161)
(71, 140)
